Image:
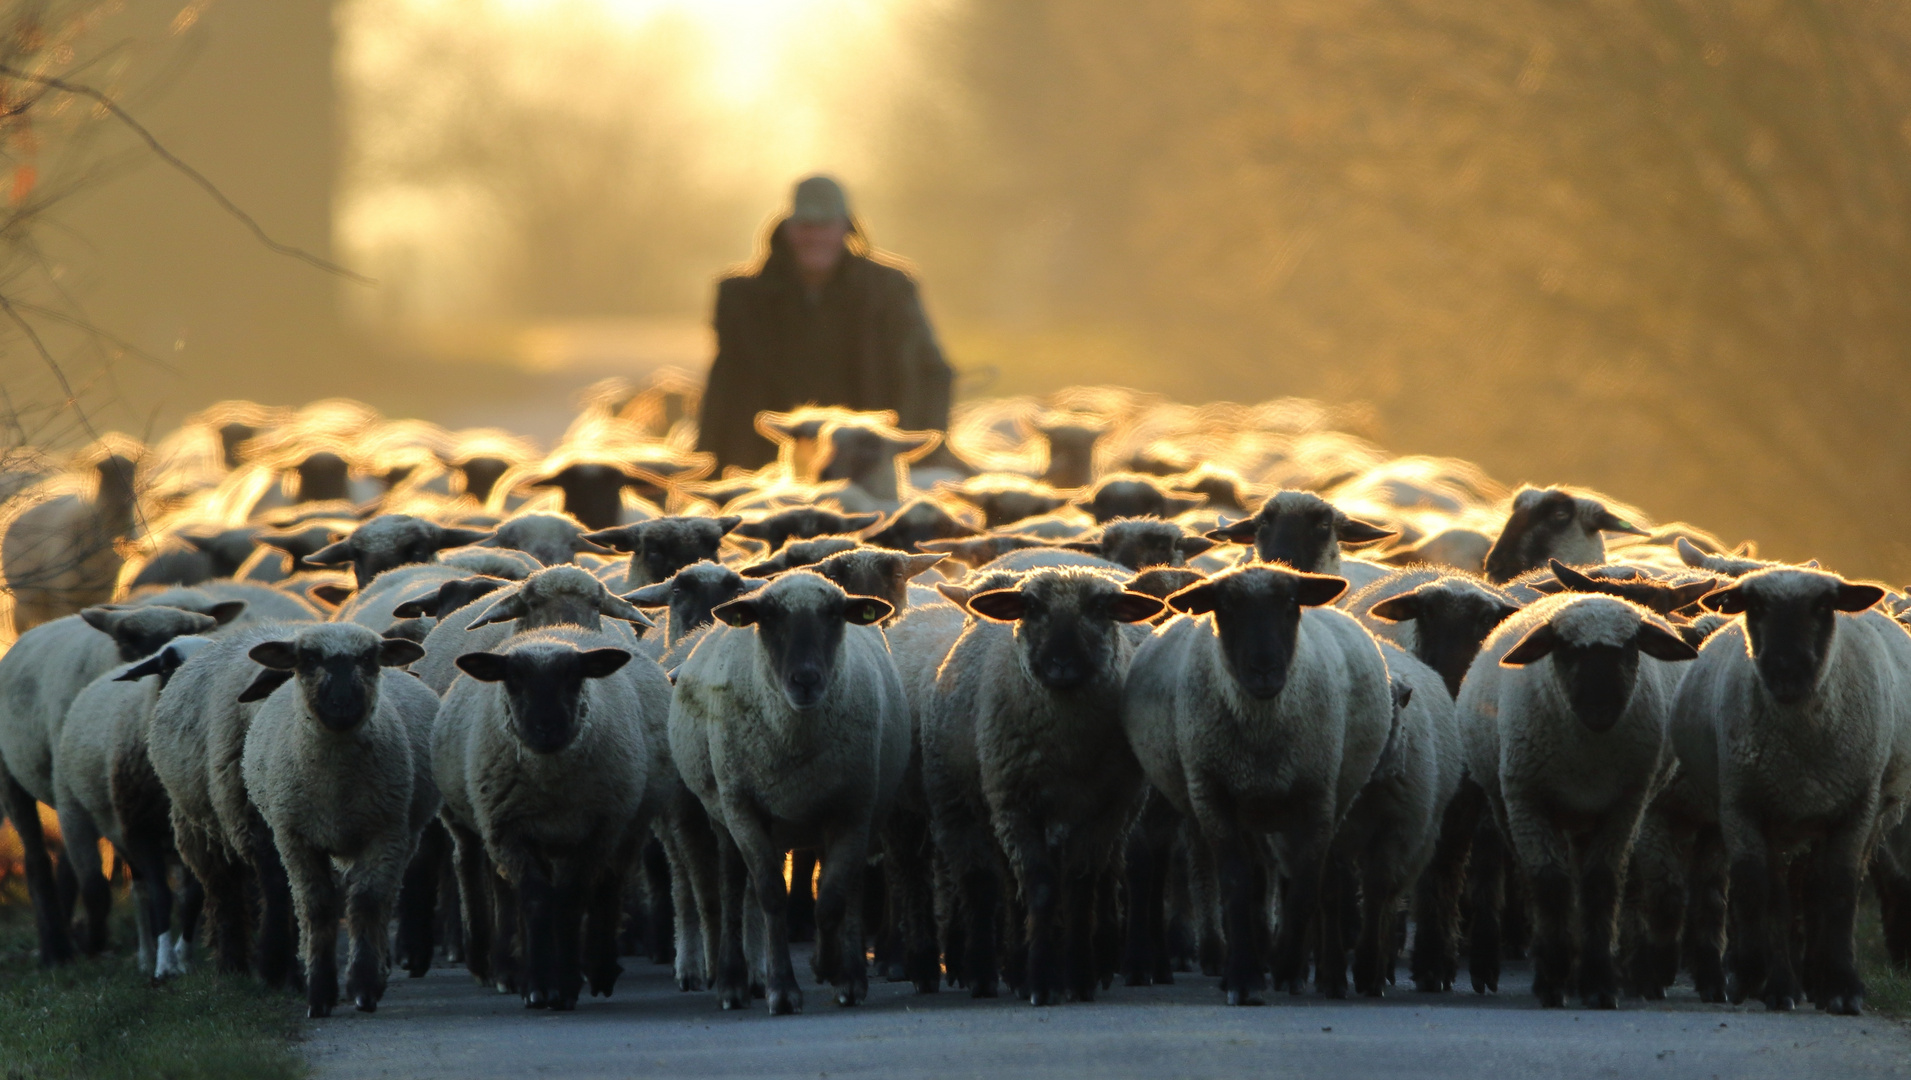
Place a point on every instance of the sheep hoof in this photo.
(365, 1003)
(1242, 997)
(736, 999)
(1845, 1005)
(1781, 1003)
(1603, 999)
(537, 999)
(317, 1012)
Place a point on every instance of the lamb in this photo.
(391, 540)
(552, 731)
(662, 546)
(1019, 750)
(1390, 832)
(40, 676)
(1139, 543)
(1261, 713)
(1794, 723)
(1552, 523)
(789, 724)
(105, 785)
(1132, 495)
(58, 555)
(804, 523)
(338, 762)
(1306, 532)
(1564, 716)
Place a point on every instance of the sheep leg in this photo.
(1656, 889)
(1205, 900)
(1436, 907)
(568, 893)
(153, 903)
(1027, 846)
(1546, 859)
(1706, 908)
(539, 904)
(315, 900)
(839, 914)
(802, 903)
(81, 837)
(418, 901)
(1488, 880)
(367, 904)
(1894, 908)
(1330, 955)
(951, 922)
(450, 926)
(1244, 974)
(753, 935)
(1108, 924)
(1145, 947)
(911, 881)
(660, 914)
(1078, 903)
(222, 883)
(1301, 907)
(507, 932)
(733, 972)
(605, 912)
(474, 896)
(277, 944)
(1374, 952)
(695, 899)
(1837, 869)
(56, 940)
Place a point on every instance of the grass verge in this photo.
(1887, 989)
(100, 1019)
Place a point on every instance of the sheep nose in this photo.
(806, 678)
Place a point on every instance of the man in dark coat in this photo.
(820, 322)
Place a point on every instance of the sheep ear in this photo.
(1086, 547)
(1317, 589)
(1724, 601)
(755, 530)
(1573, 580)
(102, 619)
(1240, 532)
(226, 610)
(616, 607)
(767, 568)
(1689, 553)
(482, 666)
(866, 610)
(1607, 521)
(1538, 642)
(199, 541)
(262, 686)
(414, 609)
(1135, 607)
(955, 594)
(1855, 597)
(1747, 550)
(334, 554)
(921, 564)
(859, 522)
(727, 523)
(1197, 599)
(737, 612)
(278, 655)
(1397, 608)
(397, 652)
(488, 542)
(1689, 594)
(999, 605)
(156, 664)
(1353, 532)
(625, 538)
(451, 538)
(601, 662)
(942, 547)
(1190, 546)
(1663, 643)
(657, 595)
(333, 593)
(1402, 695)
(509, 609)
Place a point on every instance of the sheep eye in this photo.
(1562, 514)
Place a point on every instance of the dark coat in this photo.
(861, 341)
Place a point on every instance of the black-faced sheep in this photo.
(1552, 523)
(1307, 532)
(662, 546)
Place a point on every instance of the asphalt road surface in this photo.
(446, 1026)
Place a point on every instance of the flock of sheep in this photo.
(1099, 695)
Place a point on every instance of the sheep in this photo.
(193, 557)
(1439, 616)
(282, 553)
(377, 605)
(1224, 490)
(690, 595)
(662, 546)
(338, 762)
(1071, 439)
(105, 786)
(919, 521)
(1005, 499)
(1390, 831)
(196, 742)
(549, 538)
(1549, 523)
(874, 458)
(1793, 723)
(554, 596)
(800, 553)
(804, 523)
(1132, 495)
(1139, 543)
(879, 572)
(1564, 714)
(58, 555)
(1259, 712)
(981, 550)
(593, 491)
(1307, 532)
(1019, 750)
(391, 540)
(1659, 595)
(552, 734)
(788, 724)
(39, 678)
(1071, 524)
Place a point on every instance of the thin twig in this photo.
(188, 171)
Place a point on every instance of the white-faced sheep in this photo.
(1261, 714)
(1795, 720)
(1021, 750)
(338, 762)
(553, 731)
(790, 725)
(1564, 715)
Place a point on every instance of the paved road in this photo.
(444, 1026)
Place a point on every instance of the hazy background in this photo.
(1657, 247)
